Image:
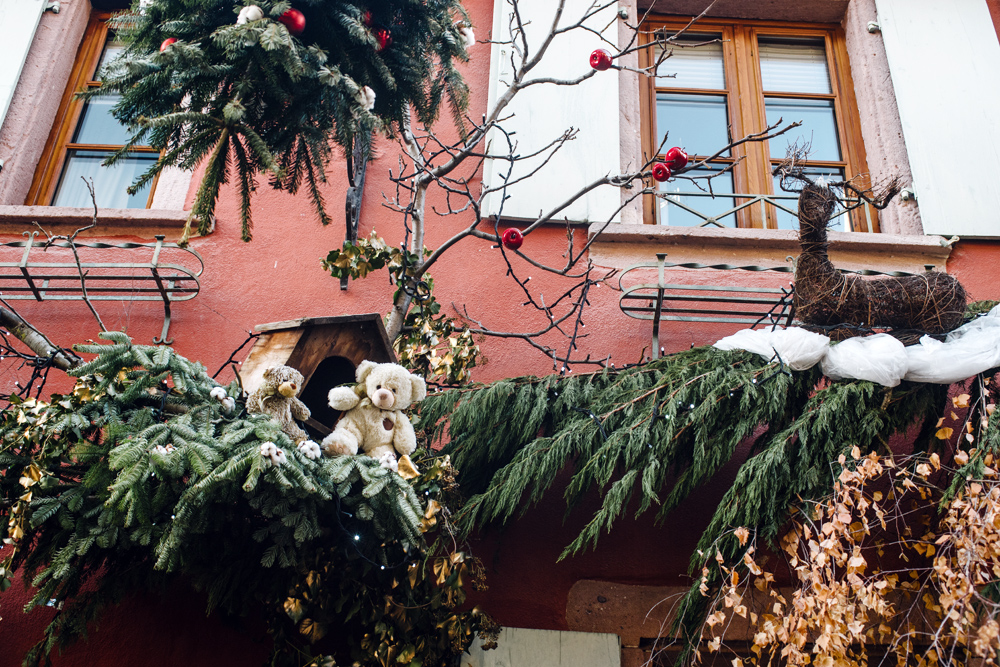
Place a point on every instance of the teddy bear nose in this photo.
(383, 398)
(287, 389)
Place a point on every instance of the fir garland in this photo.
(658, 431)
(140, 474)
(257, 98)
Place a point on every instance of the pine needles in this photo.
(254, 100)
(647, 436)
(140, 474)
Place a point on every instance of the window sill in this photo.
(141, 222)
(624, 245)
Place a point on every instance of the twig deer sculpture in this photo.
(930, 302)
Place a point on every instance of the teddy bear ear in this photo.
(419, 388)
(364, 368)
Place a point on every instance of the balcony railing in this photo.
(780, 204)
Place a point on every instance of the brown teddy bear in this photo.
(375, 424)
(277, 398)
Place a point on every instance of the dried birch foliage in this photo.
(882, 571)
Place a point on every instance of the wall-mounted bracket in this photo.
(51, 280)
(357, 167)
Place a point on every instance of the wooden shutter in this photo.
(542, 113)
(519, 647)
(19, 19)
(944, 59)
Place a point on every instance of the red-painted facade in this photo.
(278, 277)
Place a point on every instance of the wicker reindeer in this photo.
(930, 302)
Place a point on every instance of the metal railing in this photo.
(786, 203)
(40, 278)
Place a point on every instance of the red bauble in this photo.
(661, 172)
(600, 60)
(294, 20)
(166, 43)
(677, 158)
(384, 38)
(512, 238)
(366, 18)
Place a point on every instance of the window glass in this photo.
(790, 200)
(111, 51)
(98, 126)
(689, 206)
(819, 127)
(693, 64)
(698, 123)
(794, 66)
(110, 183)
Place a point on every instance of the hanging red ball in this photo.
(384, 38)
(600, 60)
(512, 238)
(166, 43)
(294, 20)
(677, 158)
(661, 172)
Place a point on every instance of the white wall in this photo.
(944, 59)
(542, 113)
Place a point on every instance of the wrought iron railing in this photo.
(41, 277)
(786, 203)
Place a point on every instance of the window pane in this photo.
(688, 194)
(794, 66)
(98, 126)
(819, 127)
(697, 123)
(694, 66)
(110, 183)
(111, 51)
(788, 220)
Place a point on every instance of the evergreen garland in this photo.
(257, 99)
(659, 430)
(140, 474)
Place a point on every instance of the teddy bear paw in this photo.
(310, 449)
(333, 446)
(389, 462)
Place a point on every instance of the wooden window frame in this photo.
(58, 145)
(745, 104)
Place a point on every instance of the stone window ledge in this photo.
(141, 222)
(623, 245)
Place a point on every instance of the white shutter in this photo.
(543, 112)
(18, 21)
(519, 647)
(944, 59)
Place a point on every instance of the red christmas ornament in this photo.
(366, 18)
(512, 238)
(661, 172)
(677, 158)
(600, 60)
(166, 43)
(294, 20)
(384, 38)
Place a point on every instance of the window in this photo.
(726, 80)
(85, 133)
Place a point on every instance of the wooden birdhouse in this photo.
(326, 350)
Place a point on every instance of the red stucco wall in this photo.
(278, 277)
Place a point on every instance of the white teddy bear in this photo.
(376, 424)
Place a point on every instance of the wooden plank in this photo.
(272, 349)
(318, 321)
